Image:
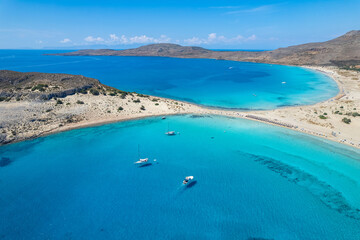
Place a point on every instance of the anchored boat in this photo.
(141, 160)
(170, 133)
(188, 179)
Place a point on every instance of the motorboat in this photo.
(188, 179)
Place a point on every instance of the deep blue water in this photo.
(203, 81)
(252, 181)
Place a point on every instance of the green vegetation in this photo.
(48, 110)
(354, 114)
(142, 107)
(351, 68)
(95, 92)
(120, 109)
(156, 104)
(5, 99)
(83, 91)
(40, 87)
(346, 120)
(322, 117)
(325, 114)
(123, 95)
(142, 95)
(136, 101)
(59, 102)
(155, 99)
(79, 102)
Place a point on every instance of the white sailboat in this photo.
(141, 160)
(170, 133)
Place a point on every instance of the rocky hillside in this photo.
(343, 51)
(42, 86)
(160, 50)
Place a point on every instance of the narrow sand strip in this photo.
(24, 120)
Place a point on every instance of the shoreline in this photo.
(333, 73)
(175, 107)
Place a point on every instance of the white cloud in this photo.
(142, 39)
(252, 37)
(66, 40)
(193, 41)
(263, 8)
(113, 37)
(94, 39)
(213, 38)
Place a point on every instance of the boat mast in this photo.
(139, 151)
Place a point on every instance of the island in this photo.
(36, 104)
(343, 51)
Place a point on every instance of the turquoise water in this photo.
(252, 181)
(208, 82)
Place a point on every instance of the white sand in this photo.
(23, 120)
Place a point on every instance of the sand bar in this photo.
(21, 120)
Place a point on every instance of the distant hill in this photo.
(343, 51)
(160, 50)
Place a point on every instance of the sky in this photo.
(225, 24)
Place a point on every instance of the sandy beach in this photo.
(23, 120)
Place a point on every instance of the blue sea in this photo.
(252, 181)
(209, 82)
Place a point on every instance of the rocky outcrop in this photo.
(42, 86)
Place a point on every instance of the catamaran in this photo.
(188, 179)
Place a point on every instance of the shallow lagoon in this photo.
(252, 181)
(207, 82)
